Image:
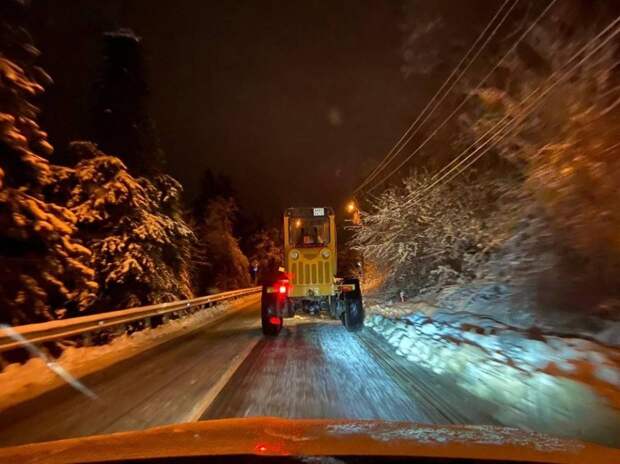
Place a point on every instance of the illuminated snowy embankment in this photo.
(566, 386)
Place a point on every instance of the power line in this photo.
(484, 79)
(407, 135)
(580, 51)
(512, 125)
(467, 97)
(532, 106)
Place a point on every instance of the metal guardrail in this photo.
(65, 328)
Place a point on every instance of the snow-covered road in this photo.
(319, 370)
(314, 369)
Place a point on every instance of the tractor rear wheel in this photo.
(353, 314)
(271, 324)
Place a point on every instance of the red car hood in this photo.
(272, 436)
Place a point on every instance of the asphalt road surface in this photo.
(313, 369)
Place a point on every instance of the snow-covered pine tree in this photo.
(218, 259)
(43, 274)
(167, 194)
(266, 250)
(140, 243)
(223, 265)
(121, 123)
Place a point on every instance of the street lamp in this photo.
(351, 206)
(353, 210)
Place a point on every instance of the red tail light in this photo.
(274, 320)
(282, 287)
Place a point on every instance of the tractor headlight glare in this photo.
(325, 254)
(294, 254)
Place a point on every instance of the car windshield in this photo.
(349, 212)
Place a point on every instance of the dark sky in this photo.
(288, 98)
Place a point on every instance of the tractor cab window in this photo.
(309, 232)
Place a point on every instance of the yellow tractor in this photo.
(308, 281)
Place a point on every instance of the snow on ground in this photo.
(440, 341)
(21, 382)
(488, 303)
(536, 379)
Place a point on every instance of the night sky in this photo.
(295, 101)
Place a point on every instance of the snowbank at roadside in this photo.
(496, 303)
(522, 372)
(21, 382)
(437, 342)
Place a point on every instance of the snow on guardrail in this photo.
(65, 328)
